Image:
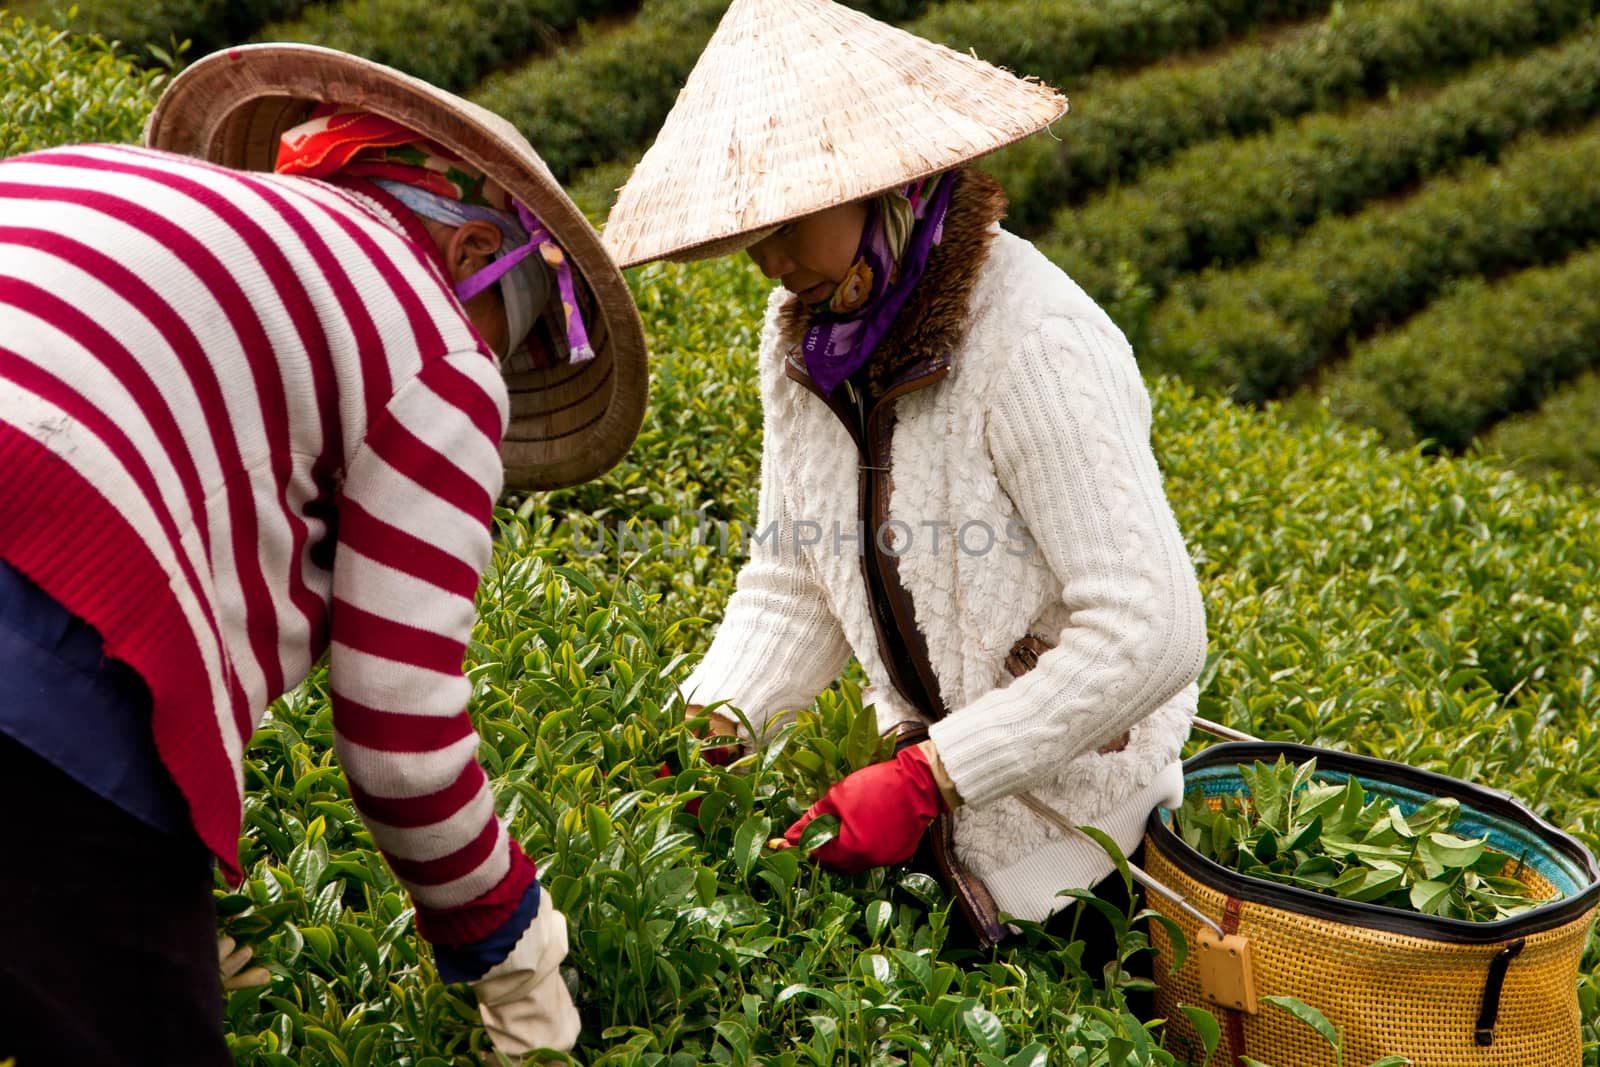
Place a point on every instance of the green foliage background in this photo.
(1440, 613)
(1207, 138)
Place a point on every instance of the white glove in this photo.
(230, 964)
(524, 1003)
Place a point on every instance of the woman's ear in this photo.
(470, 248)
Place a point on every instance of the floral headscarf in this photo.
(902, 229)
(434, 182)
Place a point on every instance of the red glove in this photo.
(883, 810)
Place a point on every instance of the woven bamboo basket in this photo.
(1442, 992)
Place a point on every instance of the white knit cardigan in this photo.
(1043, 426)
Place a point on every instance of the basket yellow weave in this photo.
(1393, 983)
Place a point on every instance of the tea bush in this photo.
(1557, 437)
(608, 94)
(1122, 126)
(1475, 355)
(62, 88)
(1215, 203)
(586, 105)
(469, 40)
(1439, 613)
(1060, 40)
(1260, 329)
(153, 29)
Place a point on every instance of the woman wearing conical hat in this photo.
(957, 484)
(249, 418)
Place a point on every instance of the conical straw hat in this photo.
(798, 105)
(568, 423)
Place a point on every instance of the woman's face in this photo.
(811, 256)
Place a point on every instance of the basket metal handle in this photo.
(1140, 875)
(1216, 729)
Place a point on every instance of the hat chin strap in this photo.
(517, 293)
(542, 241)
(523, 293)
(478, 281)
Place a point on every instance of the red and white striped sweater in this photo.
(243, 420)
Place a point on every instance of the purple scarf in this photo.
(858, 315)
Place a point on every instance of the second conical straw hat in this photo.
(798, 105)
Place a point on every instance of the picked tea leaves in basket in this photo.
(1327, 836)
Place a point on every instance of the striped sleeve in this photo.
(414, 536)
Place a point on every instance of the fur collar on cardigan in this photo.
(930, 326)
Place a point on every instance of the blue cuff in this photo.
(468, 963)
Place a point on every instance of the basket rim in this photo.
(1246, 887)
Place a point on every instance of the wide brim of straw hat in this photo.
(799, 105)
(568, 423)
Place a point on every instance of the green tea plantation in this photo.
(1270, 193)
(1267, 194)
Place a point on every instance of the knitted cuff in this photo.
(479, 918)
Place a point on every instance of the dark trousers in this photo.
(108, 937)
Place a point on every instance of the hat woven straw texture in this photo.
(798, 105)
(568, 423)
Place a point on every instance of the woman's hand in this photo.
(883, 810)
(522, 1000)
(231, 966)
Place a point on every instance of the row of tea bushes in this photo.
(65, 88)
(1557, 437)
(608, 94)
(1063, 40)
(1215, 203)
(1437, 612)
(451, 43)
(603, 102)
(1259, 330)
(1059, 41)
(1475, 355)
(1121, 127)
(153, 29)
(585, 105)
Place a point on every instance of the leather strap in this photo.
(972, 896)
(1231, 912)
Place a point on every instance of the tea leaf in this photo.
(748, 842)
(1448, 850)
(985, 1029)
(1427, 897)
(878, 914)
(1308, 1015)
(1206, 1025)
(819, 832)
